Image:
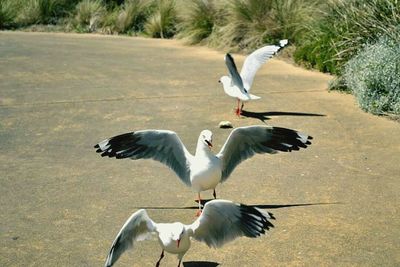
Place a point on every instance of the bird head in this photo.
(178, 233)
(206, 137)
(224, 80)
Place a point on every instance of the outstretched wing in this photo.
(222, 221)
(245, 142)
(255, 60)
(136, 228)
(233, 73)
(163, 146)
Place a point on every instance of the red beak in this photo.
(177, 242)
(209, 143)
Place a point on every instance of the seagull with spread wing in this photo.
(238, 85)
(221, 222)
(204, 170)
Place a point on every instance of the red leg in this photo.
(238, 107)
(179, 263)
(198, 213)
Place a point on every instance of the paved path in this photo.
(336, 203)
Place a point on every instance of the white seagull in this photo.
(238, 85)
(221, 221)
(204, 170)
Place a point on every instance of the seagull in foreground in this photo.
(204, 170)
(238, 85)
(221, 221)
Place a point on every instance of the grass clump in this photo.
(250, 24)
(133, 16)
(198, 21)
(89, 15)
(162, 22)
(373, 75)
(343, 29)
(31, 12)
(109, 23)
(254, 23)
(292, 17)
(8, 11)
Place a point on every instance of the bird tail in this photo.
(254, 97)
(283, 42)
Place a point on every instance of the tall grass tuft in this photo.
(109, 23)
(249, 25)
(88, 15)
(373, 75)
(31, 12)
(199, 19)
(344, 28)
(292, 17)
(8, 11)
(163, 20)
(41, 11)
(133, 16)
(253, 23)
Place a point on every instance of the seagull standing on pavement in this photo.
(221, 221)
(238, 85)
(204, 170)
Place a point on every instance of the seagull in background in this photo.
(221, 222)
(238, 85)
(204, 170)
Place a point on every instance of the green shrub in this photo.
(8, 11)
(88, 15)
(344, 28)
(110, 21)
(41, 11)
(249, 24)
(162, 21)
(373, 75)
(133, 16)
(30, 13)
(198, 21)
(292, 17)
(113, 3)
(253, 23)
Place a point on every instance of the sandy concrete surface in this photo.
(336, 203)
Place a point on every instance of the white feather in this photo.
(220, 222)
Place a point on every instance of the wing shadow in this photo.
(263, 116)
(200, 264)
(260, 206)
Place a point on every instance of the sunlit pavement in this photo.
(336, 203)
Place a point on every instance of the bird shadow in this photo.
(260, 206)
(200, 264)
(263, 116)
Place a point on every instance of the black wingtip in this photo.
(251, 218)
(271, 216)
(96, 146)
(229, 56)
(111, 257)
